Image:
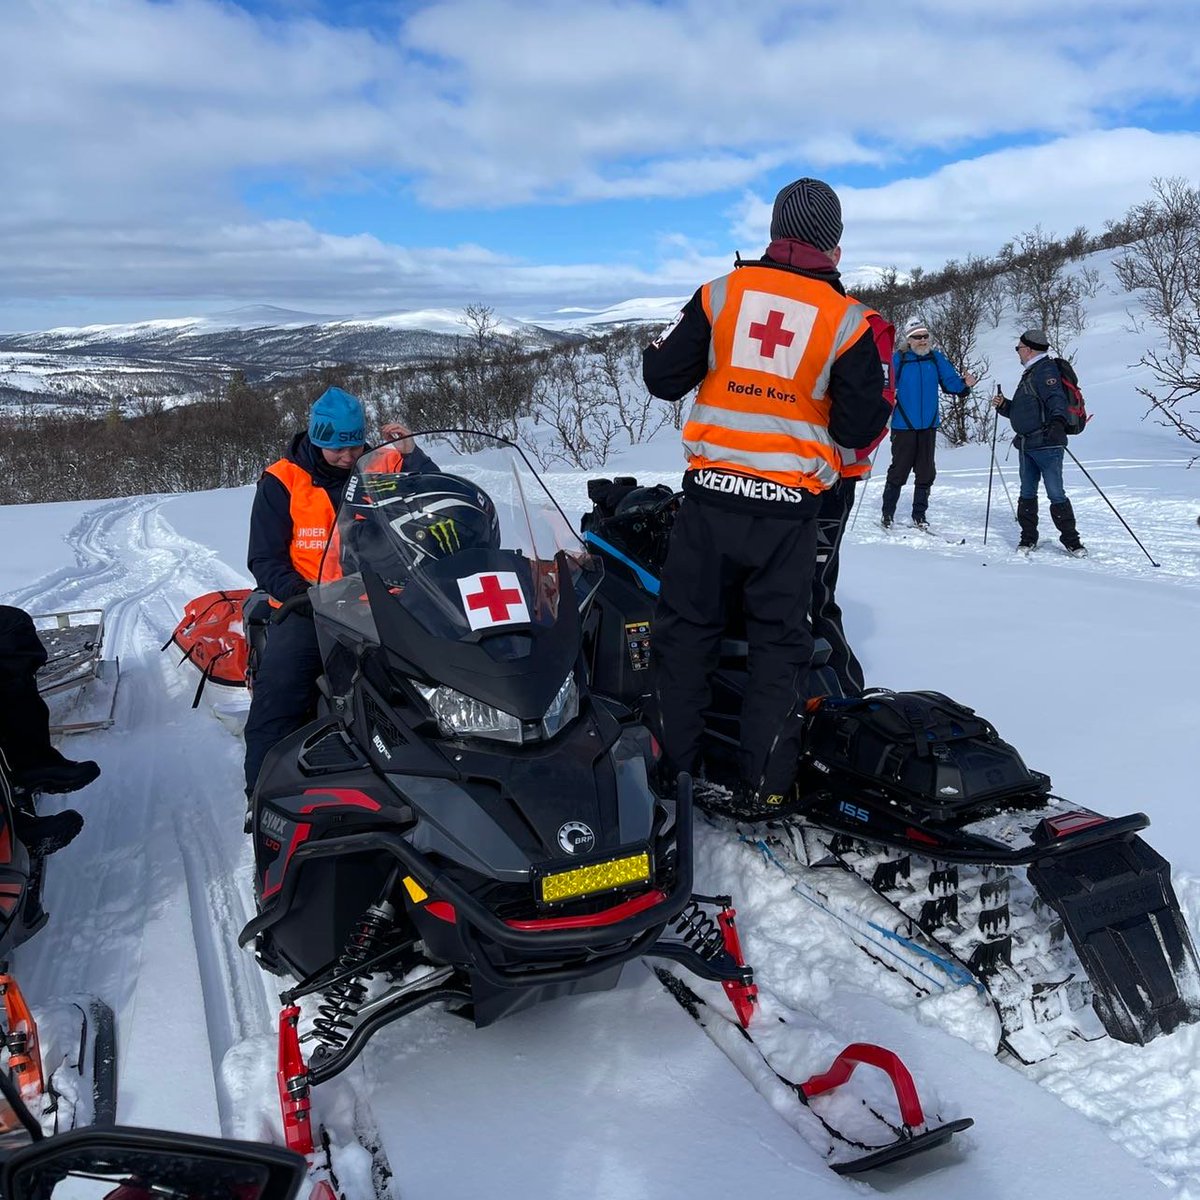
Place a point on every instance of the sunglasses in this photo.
(918, 337)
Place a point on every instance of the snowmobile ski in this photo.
(879, 1139)
(64, 1062)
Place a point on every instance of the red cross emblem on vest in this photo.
(771, 333)
(493, 598)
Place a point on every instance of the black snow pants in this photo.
(825, 614)
(285, 689)
(24, 717)
(912, 454)
(715, 556)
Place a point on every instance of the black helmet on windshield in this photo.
(434, 515)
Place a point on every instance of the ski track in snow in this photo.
(153, 852)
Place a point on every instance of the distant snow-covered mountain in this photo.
(181, 355)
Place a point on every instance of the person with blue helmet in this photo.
(293, 516)
(919, 372)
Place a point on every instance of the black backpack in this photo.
(1077, 413)
(920, 747)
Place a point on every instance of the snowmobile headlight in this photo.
(458, 713)
(594, 878)
(563, 708)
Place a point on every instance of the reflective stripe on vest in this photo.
(763, 408)
(312, 521)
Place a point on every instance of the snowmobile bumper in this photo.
(604, 944)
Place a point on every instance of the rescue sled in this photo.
(78, 684)
(211, 633)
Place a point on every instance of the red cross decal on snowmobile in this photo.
(493, 598)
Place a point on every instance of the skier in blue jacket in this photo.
(919, 372)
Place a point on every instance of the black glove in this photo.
(1057, 433)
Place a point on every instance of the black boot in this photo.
(891, 497)
(44, 835)
(1027, 518)
(56, 775)
(1063, 516)
(920, 507)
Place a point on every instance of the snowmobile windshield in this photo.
(475, 550)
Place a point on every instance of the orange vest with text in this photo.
(314, 522)
(763, 408)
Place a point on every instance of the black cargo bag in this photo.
(922, 747)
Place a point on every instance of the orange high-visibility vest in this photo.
(313, 522)
(763, 408)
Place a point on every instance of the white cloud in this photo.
(974, 206)
(130, 131)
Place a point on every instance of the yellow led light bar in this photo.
(597, 877)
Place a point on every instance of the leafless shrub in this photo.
(1044, 293)
(569, 397)
(1163, 266)
(957, 314)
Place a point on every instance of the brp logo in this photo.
(576, 838)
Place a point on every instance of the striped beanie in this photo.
(808, 211)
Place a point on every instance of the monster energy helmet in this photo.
(434, 515)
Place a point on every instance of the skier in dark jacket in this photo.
(789, 376)
(919, 372)
(293, 517)
(33, 763)
(1038, 412)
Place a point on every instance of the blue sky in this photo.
(177, 157)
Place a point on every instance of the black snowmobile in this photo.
(67, 1070)
(466, 823)
(1065, 917)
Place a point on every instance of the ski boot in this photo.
(920, 505)
(1027, 518)
(1063, 516)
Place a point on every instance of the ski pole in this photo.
(1112, 506)
(987, 512)
(1007, 495)
(862, 494)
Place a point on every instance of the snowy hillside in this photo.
(182, 354)
(1089, 667)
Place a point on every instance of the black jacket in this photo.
(677, 361)
(1038, 408)
(270, 554)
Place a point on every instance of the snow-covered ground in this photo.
(1090, 667)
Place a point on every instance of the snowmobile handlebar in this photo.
(301, 603)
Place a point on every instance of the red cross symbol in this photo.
(771, 334)
(496, 598)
